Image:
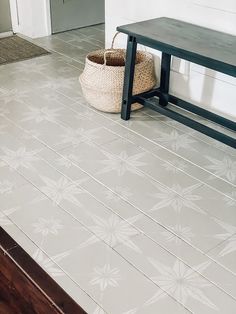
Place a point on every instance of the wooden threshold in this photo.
(25, 288)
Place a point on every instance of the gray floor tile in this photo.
(183, 283)
(103, 273)
(225, 253)
(77, 184)
(186, 252)
(50, 266)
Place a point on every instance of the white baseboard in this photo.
(6, 34)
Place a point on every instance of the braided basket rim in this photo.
(147, 58)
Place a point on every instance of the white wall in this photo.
(5, 18)
(207, 88)
(31, 17)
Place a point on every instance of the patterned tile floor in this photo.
(128, 217)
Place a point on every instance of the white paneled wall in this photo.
(204, 87)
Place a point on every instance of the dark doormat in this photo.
(14, 48)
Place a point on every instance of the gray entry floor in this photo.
(128, 217)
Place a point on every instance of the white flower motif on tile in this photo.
(47, 226)
(176, 141)
(61, 189)
(175, 166)
(217, 144)
(113, 231)
(230, 229)
(41, 114)
(78, 136)
(229, 236)
(89, 114)
(143, 122)
(225, 168)
(129, 136)
(106, 277)
(6, 187)
(182, 282)
(179, 199)
(117, 192)
(230, 199)
(19, 158)
(49, 264)
(51, 97)
(122, 163)
(179, 232)
(14, 94)
(230, 246)
(68, 160)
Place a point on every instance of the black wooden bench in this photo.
(209, 48)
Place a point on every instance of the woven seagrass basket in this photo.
(103, 76)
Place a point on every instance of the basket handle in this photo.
(105, 56)
(144, 48)
(111, 49)
(113, 39)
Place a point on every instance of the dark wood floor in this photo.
(17, 292)
(25, 288)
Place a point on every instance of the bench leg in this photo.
(128, 78)
(165, 78)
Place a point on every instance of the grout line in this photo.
(152, 153)
(41, 249)
(80, 50)
(190, 134)
(157, 144)
(90, 231)
(77, 33)
(62, 54)
(95, 179)
(111, 120)
(140, 232)
(22, 257)
(98, 43)
(163, 147)
(147, 175)
(179, 156)
(167, 162)
(219, 244)
(96, 46)
(31, 280)
(63, 125)
(171, 231)
(172, 126)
